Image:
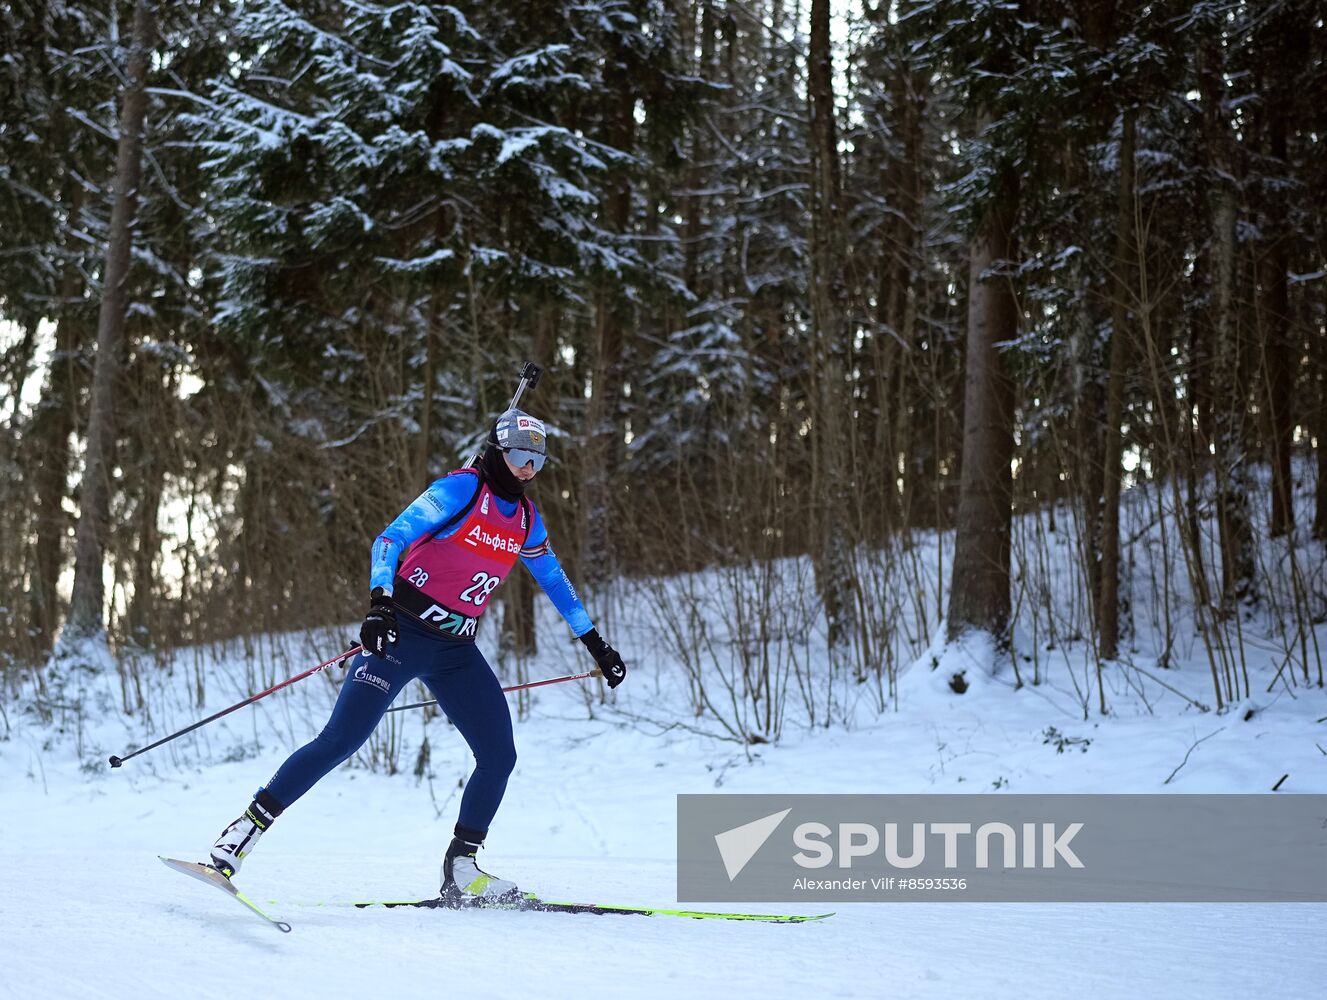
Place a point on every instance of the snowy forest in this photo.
(936, 407)
(862, 324)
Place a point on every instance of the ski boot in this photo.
(464, 883)
(241, 836)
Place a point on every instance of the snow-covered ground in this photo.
(88, 911)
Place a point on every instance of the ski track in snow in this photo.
(119, 924)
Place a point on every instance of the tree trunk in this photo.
(1233, 481)
(979, 590)
(1318, 386)
(1108, 611)
(1094, 360)
(895, 394)
(155, 392)
(1274, 312)
(142, 617)
(86, 611)
(1320, 432)
(831, 461)
(1278, 353)
(55, 422)
(1089, 404)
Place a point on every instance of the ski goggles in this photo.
(522, 456)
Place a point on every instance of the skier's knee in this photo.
(341, 743)
(501, 761)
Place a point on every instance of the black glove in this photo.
(379, 629)
(610, 662)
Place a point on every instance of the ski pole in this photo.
(117, 761)
(530, 373)
(516, 687)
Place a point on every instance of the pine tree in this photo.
(991, 47)
(86, 611)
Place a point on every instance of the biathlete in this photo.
(434, 571)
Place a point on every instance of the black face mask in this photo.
(499, 477)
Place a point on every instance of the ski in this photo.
(208, 874)
(530, 903)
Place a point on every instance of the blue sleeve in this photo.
(431, 509)
(544, 567)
